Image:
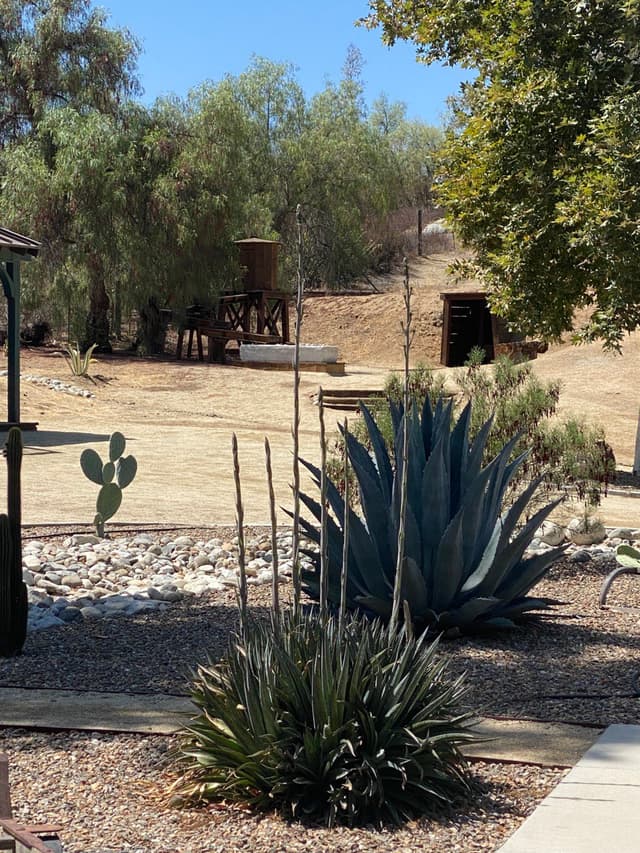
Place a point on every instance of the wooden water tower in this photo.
(259, 260)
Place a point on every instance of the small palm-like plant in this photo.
(353, 723)
(465, 567)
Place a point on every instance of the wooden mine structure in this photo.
(258, 314)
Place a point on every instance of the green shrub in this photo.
(464, 568)
(572, 457)
(352, 726)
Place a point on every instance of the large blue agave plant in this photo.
(465, 567)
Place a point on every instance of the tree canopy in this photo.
(135, 204)
(541, 173)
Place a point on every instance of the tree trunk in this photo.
(97, 326)
(151, 329)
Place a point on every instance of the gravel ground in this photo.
(109, 794)
(109, 791)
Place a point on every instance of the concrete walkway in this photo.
(547, 744)
(595, 808)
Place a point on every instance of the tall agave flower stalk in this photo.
(408, 336)
(275, 592)
(324, 510)
(242, 585)
(295, 429)
(345, 533)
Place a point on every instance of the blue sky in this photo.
(190, 41)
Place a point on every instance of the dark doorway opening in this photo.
(467, 323)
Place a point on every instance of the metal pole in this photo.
(419, 232)
(13, 337)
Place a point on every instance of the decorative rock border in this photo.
(54, 384)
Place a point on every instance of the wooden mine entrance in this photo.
(467, 323)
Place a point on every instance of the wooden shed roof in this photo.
(18, 243)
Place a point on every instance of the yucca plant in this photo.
(465, 567)
(353, 724)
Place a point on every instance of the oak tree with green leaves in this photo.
(541, 173)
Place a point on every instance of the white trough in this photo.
(284, 353)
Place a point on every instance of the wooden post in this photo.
(419, 232)
(5, 796)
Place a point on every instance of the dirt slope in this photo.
(179, 417)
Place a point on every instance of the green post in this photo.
(13, 340)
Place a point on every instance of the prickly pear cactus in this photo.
(14, 606)
(112, 476)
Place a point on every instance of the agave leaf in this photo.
(523, 605)
(511, 553)
(518, 506)
(459, 452)
(396, 412)
(477, 578)
(376, 512)
(427, 426)
(414, 589)
(448, 568)
(527, 573)
(435, 509)
(376, 578)
(497, 486)
(379, 606)
(498, 622)
(476, 527)
(476, 451)
(381, 455)
(468, 612)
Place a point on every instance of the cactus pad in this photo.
(126, 470)
(91, 465)
(117, 444)
(109, 500)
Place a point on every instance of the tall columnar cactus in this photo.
(112, 476)
(14, 606)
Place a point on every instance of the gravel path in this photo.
(109, 791)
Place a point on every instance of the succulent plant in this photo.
(14, 606)
(465, 567)
(112, 477)
(628, 556)
(351, 724)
